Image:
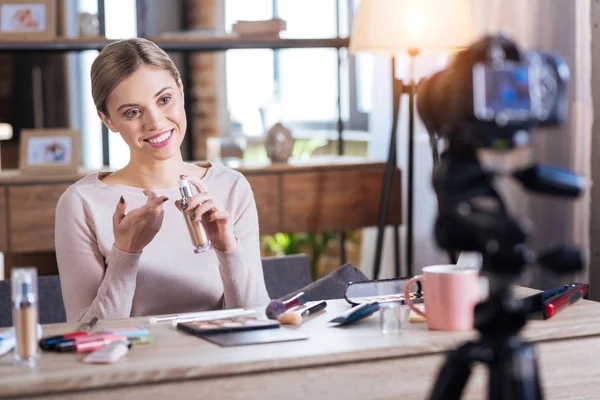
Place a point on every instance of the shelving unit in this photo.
(175, 45)
(186, 46)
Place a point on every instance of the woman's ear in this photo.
(106, 120)
(180, 84)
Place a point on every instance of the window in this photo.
(296, 86)
(120, 22)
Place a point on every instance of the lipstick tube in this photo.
(200, 240)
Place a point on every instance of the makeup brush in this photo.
(297, 317)
(277, 307)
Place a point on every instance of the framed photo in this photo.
(49, 150)
(27, 19)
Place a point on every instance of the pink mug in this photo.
(450, 294)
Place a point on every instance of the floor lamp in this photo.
(392, 28)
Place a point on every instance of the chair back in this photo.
(286, 274)
(51, 308)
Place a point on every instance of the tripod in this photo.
(512, 363)
(472, 217)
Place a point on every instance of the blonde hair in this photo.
(119, 60)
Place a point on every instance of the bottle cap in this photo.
(24, 285)
(185, 188)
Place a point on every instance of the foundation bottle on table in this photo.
(25, 315)
(200, 240)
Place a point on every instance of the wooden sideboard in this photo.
(333, 194)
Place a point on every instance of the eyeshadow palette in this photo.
(416, 298)
(226, 325)
(382, 291)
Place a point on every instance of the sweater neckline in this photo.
(140, 191)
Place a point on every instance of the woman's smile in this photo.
(160, 140)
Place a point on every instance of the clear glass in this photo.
(390, 318)
(25, 315)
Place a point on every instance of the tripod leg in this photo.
(453, 375)
(514, 373)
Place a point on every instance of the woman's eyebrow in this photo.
(134, 105)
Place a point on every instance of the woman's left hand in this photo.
(217, 221)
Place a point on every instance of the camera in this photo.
(493, 90)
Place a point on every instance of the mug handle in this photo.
(407, 299)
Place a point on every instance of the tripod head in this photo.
(472, 215)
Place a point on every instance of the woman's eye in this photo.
(165, 100)
(132, 113)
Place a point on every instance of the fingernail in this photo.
(165, 199)
(121, 200)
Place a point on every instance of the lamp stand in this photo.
(398, 89)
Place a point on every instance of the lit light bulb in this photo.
(6, 131)
(416, 22)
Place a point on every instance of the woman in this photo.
(122, 244)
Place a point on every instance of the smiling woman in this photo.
(122, 243)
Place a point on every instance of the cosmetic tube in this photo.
(200, 240)
(25, 315)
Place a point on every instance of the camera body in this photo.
(490, 96)
(493, 90)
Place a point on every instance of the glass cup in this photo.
(390, 318)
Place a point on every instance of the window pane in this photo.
(250, 88)
(308, 18)
(308, 85)
(364, 77)
(245, 10)
(121, 19)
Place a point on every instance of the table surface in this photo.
(179, 356)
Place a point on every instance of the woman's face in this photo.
(147, 110)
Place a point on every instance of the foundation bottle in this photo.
(195, 224)
(25, 315)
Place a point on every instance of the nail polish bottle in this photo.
(195, 225)
(25, 315)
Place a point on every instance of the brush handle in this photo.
(314, 308)
(297, 300)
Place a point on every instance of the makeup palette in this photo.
(225, 325)
(381, 291)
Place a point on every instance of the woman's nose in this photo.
(153, 118)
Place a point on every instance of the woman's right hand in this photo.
(134, 230)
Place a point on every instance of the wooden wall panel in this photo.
(3, 222)
(267, 194)
(335, 200)
(31, 216)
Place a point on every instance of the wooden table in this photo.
(356, 362)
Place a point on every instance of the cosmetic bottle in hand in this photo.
(200, 239)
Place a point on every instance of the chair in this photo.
(51, 308)
(333, 285)
(286, 274)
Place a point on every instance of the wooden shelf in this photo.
(168, 44)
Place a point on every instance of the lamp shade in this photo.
(393, 26)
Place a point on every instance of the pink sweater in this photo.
(167, 277)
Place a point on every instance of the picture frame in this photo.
(27, 20)
(46, 151)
